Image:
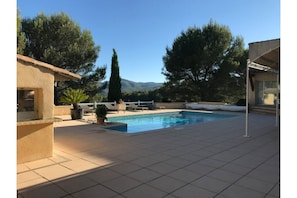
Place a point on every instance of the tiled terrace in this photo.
(201, 160)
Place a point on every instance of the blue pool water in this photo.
(140, 123)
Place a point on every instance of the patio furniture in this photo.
(87, 109)
(139, 107)
(111, 106)
(116, 107)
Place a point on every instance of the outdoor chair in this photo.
(87, 109)
(137, 107)
(111, 106)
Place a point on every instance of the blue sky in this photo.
(140, 31)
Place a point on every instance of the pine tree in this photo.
(114, 89)
(58, 40)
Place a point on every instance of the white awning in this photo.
(260, 67)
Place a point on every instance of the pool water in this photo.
(148, 122)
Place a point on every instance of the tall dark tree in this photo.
(59, 41)
(114, 89)
(202, 62)
(21, 42)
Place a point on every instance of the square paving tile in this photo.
(234, 191)
(224, 175)
(263, 175)
(79, 165)
(211, 184)
(22, 168)
(235, 168)
(184, 175)
(94, 192)
(30, 183)
(170, 196)
(100, 161)
(57, 158)
(275, 191)
(190, 191)
(119, 196)
(144, 191)
(102, 175)
(144, 175)
(212, 162)
(255, 184)
(174, 152)
(54, 172)
(270, 168)
(46, 191)
(121, 184)
(146, 161)
(227, 156)
(27, 176)
(128, 157)
(39, 163)
(75, 184)
(199, 168)
(162, 168)
(167, 184)
(124, 168)
(192, 157)
(249, 161)
(178, 162)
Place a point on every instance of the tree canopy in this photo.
(21, 42)
(59, 41)
(114, 89)
(203, 63)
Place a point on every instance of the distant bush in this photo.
(241, 102)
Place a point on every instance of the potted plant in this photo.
(101, 112)
(74, 97)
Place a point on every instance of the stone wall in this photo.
(62, 110)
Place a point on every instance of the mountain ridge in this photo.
(131, 86)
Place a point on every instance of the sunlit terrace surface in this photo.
(210, 159)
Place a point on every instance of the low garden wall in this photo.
(62, 110)
(181, 105)
(65, 109)
(170, 105)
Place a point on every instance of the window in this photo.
(266, 92)
(27, 104)
(25, 100)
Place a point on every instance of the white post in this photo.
(247, 101)
(277, 102)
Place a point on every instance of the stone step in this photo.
(262, 109)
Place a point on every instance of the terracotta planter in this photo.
(100, 121)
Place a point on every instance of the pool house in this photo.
(35, 107)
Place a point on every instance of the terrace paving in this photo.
(200, 160)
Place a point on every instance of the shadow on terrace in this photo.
(205, 159)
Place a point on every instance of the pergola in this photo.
(264, 56)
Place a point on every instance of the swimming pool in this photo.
(148, 122)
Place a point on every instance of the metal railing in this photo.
(93, 105)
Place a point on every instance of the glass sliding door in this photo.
(266, 92)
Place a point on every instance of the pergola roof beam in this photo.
(261, 67)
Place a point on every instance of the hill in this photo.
(130, 86)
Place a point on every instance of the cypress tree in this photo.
(114, 89)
